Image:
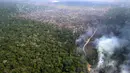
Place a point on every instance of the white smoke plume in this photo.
(113, 48)
(106, 47)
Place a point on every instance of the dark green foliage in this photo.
(115, 19)
(32, 47)
(117, 15)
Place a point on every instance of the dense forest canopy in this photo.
(31, 46)
(28, 46)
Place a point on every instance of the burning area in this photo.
(109, 41)
(63, 36)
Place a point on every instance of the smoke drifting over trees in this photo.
(40, 38)
(112, 41)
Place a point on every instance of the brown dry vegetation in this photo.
(76, 18)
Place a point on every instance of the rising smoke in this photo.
(112, 44)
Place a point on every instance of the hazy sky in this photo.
(102, 0)
(89, 0)
(95, 0)
(85, 0)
